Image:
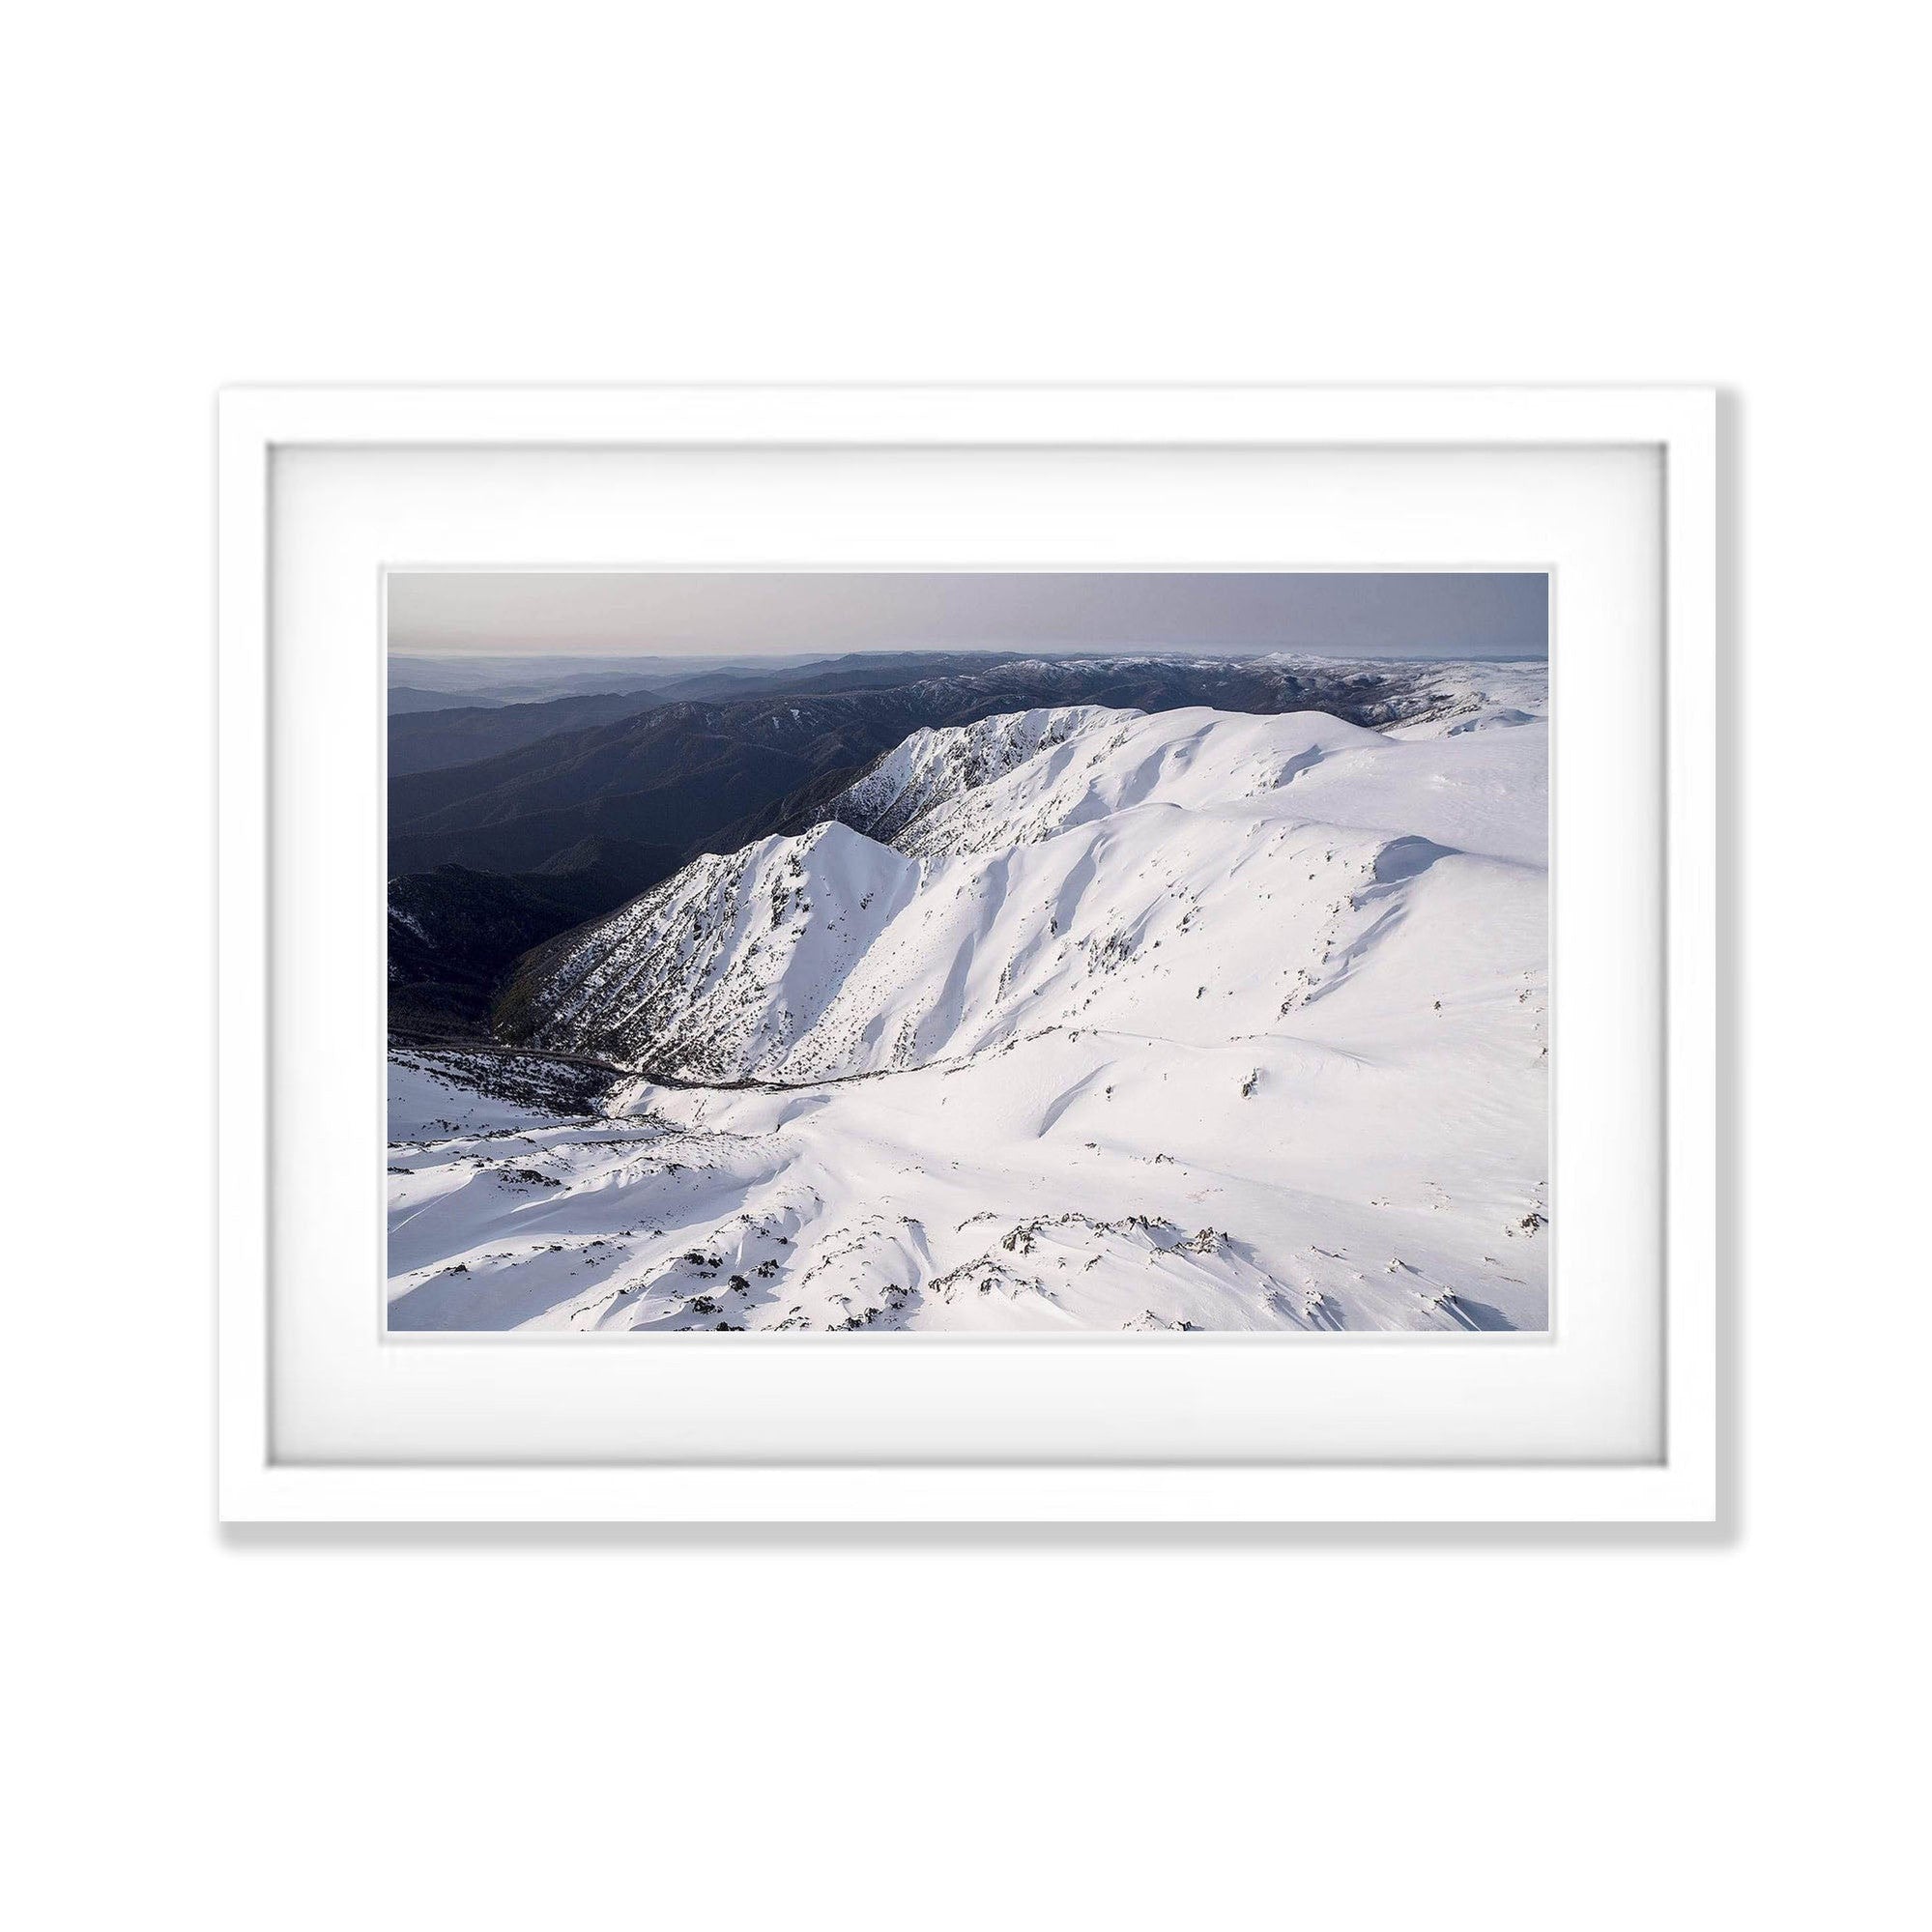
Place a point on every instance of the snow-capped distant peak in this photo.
(934, 767)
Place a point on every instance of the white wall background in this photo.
(1048, 1729)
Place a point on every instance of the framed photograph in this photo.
(968, 955)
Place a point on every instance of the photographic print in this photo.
(967, 952)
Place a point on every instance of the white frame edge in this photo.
(1681, 422)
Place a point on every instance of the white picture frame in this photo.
(1673, 430)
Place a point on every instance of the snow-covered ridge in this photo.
(932, 768)
(1455, 699)
(1015, 903)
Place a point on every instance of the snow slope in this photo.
(934, 767)
(1197, 1019)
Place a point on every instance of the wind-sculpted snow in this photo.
(1198, 1020)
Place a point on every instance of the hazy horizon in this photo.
(776, 616)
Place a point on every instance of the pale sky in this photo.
(1487, 614)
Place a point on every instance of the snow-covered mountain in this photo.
(1067, 1020)
(933, 767)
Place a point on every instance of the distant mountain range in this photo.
(453, 682)
(405, 700)
(434, 739)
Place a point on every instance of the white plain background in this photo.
(569, 1728)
